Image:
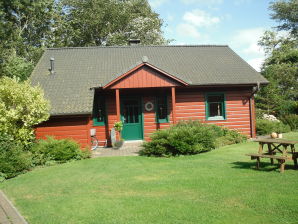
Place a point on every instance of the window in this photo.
(215, 106)
(162, 109)
(99, 112)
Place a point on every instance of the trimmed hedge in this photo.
(50, 149)
(188, 138)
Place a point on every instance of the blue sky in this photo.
(237, 23)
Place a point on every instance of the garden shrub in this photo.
(21, 107)
(50, 149)
(13, 158)
(230, 137)
(187, 138)
(291, 120)
(265, 127)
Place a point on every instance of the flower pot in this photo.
(273, 135)
(279, 135)
(118, 144)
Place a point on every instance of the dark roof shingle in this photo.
(79, 69)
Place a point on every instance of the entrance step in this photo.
(129, 148)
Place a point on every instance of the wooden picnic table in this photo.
(279, 149)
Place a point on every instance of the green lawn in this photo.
(215, 187)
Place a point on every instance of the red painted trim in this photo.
(174, 104)
(139, 66)
(118, 104)
(89, 125)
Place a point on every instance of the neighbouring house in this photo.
(146, 87)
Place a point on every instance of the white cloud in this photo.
(200, 18)
(253, 48)
(188, 30)
(256, 63)
(206, 2)
(247, 40)
(156, 3)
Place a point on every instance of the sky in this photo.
(237, 23)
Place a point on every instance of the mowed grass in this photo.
(220, 186)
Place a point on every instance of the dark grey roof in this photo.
(79, 69)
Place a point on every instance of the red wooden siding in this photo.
(75, 128)
(190, 104)
(150, 124)
(144, 77)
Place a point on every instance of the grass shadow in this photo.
(264, 166)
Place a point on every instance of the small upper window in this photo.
(215, 106)
(99, 114)
(162, 109)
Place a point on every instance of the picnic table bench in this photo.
(278, 150)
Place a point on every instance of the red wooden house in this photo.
(146, 87)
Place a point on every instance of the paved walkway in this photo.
(129, 148)
(8, 213)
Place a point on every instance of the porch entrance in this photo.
(131, 116)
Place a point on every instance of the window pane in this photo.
(100, 111)
(162, 110)
(215, 109)
(131, 111)
(215, 105)
(215, 99)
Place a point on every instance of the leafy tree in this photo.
(14, 66)
(21, 107)
(281, 65)
(285, 12)
(111, 22)
(28, 26)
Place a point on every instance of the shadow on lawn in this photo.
(264, 166)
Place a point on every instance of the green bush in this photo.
(291, 120)
(187, 138)
(265, 127)
(61, 151)
(230, 137)
(21, 108)
(13, 158)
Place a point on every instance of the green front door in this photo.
(131, 115)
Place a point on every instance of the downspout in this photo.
(255, 89)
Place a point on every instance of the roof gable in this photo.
(144, 75)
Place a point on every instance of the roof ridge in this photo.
(136, 46)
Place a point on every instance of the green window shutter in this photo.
(99, 111)
(161, 109)
(215, 104)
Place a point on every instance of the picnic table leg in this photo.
(258, 163)
(282, 163)
(270, 152)
(295, 155)
(260, 148)
(295, 162)
(284, 152)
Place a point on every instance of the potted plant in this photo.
(118, 126)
